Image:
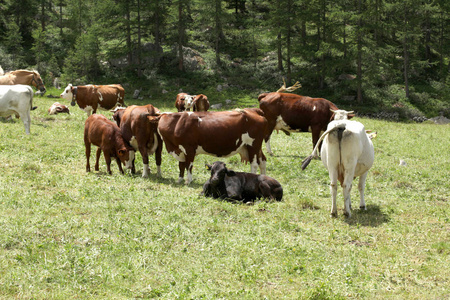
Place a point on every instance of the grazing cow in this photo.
(347, 152)
(91, 97)
(17, 99)
(106, 135)
(221, 134)
(57, 108)
(141, 132)
(225, 183)
(295, 113)
(185, 102)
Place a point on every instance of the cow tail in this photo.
(315, 152)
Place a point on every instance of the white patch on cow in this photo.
(189, 174)
(100, 96)
(129, 162)
(182, 149)
(180, 157)
(188, 101)
(314, 108)
(200, 150)
(134, 143)
(281, 125)
(200, 119)
(158, 171)
(88, 109)
(52, 109)
(189, 112)
(155, 144)
(246, 139)
(145, 171)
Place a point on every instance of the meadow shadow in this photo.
(372, 217)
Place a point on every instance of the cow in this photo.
(17, 99)
(185, 102)
(141, 132)
(347, 152)
(295, 113)
(222, 134)
(228, 184)
(57, 108)
(106, 135)
(93, 97)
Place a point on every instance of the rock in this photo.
(402, 163)
(216, 106)
(136, 93)
(441, 120)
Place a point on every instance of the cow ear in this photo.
(231, 173)
(208, 167)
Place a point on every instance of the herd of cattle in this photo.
(346, 148)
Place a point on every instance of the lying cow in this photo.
(93, 97)
(17, 99)
(58, 108)
(295, 113)
(185, 102)
(138, 129)
(222, 134)
(227, 184)
(106, 135)
(347, 152)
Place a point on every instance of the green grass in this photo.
(70, 234)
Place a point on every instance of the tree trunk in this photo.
(128, 29)
(139, 67)
(180, 35)
(406, 52)
(279, 42)
(359, 56)
(218, 30)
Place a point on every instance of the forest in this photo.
(369, 54)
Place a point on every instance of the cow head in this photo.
(118, 113)
(218, 171)
(68, 94)
(341, 114)
(188, 101)
(126, 156)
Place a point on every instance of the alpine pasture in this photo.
(69, 234)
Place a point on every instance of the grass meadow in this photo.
(67, 234)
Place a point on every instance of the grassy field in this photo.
(66, 234)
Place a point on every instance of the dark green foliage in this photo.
(400, 46)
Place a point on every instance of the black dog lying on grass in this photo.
(227, 184)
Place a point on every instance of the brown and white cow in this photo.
(57, 108)
(185, 102)
(295, 113)
(93, 97)
(106, 135)
(221, 134)
(141, 132)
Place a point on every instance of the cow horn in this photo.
(289, 89)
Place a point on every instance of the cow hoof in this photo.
(347, 214)
(334, 214)
(363, 207)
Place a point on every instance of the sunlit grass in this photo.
(66, 233)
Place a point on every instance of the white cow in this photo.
(347, 152)
(17, 99)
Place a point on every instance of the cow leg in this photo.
(108, 161)
(265, 190)
(158, 156)
(333, 189)
(181, 166)
(262, 163)
(144, 153)
(97, 158)
(119, 164)
(88, 154)
(26, 119)
(347, 187)
(269, 150)
(361, 186)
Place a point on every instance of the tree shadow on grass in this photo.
(372, 217)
